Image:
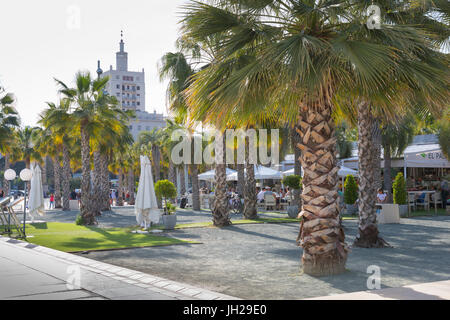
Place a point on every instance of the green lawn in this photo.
(72, 238)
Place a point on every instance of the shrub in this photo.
(165, 189)
(351, 190)
(400, 196)
(79, 220)
(293, 182)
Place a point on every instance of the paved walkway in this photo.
(423, 291)
(36, 273)
(262, 261)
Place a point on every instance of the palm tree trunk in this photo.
(6, 182)
(156, 157)
(106, 206)
(131, 187)
(57, 173)
(97, 184)
(120, 189)
(44, 175)
(322, 236)
(297, 168)
(376, 144)
(195, 188)
(368, 228)
(86, 211)
(172, 172)
(387, 171)
(66, 174)
(221, 217)
(241, 179)
(250, 196)
(182, 182)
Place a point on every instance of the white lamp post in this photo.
(25, 175)
(10, 175)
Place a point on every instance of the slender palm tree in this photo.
(56, 118)
(296, 58)
(395, 136)
(85, 98)
(9, 120)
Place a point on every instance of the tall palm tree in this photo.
(56, 118)
(153, 139)
(9, 120)
(297, 58)
(86, 98)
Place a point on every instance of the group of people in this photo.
(114, 195)
(281, 196)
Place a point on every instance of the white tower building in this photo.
(129, 89)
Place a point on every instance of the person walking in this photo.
(52, 202)
(113, 198)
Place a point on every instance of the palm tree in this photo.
(9, 120)
(153, 139)
(85, 98)
(395, 138)
(296, 58)
(56, 118)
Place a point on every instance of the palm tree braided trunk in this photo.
(182, 181)
(97, 184)
(6, 182)
(57, 173)
(120, 189)
(387, 171)
(105, 204)
(322, 236)
(195, 188)
(250, 196)
(297, 169)
(131, 187)
(241, 179)
(368, 228)
(65, 179)
(376, 138)
(220, 212)
(86, 211)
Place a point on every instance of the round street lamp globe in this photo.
(26, 174)
(10, 174)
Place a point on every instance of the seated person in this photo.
(260, 195)
(381, 196)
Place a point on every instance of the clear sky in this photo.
(47, 38)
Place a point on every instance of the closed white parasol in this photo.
(36, 202)
(146, 206)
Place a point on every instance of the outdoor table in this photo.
(431, 192)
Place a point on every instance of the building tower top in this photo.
(122, 56)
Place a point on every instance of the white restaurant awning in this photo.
(211, 175)
(261, 173)
(425, 156)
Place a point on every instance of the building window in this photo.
(148, 129)
(118, 86)
(138, 87)
(140, 104)
(139, 128)
(118, 77)
(131, 127)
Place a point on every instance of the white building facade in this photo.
(129, 89)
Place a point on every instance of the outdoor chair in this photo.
(269, 201)
(436, 199)
(189, 201)
(411, 201)
(424, 201)
(284, 205)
